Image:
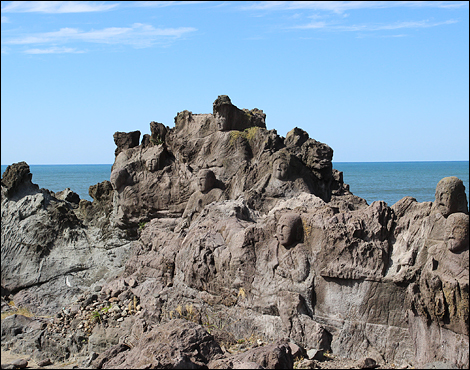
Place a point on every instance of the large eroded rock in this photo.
(242, 232)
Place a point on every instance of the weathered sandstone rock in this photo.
(220, 226)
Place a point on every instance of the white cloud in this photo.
(375, 27)
(161, 4)
(5, 19)
(138, 35)
(312, 25)
(57, 6)
(419, 24)
(53, 50)
(341, 6)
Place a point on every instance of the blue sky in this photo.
(376, 81)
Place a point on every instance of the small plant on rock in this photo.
(297, 361)
(106, 309)
(96, 316)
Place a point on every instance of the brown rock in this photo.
(126, 140)
(45, 362)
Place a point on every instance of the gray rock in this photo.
(20, 363)
(247, 233)
(109, 354)
(158, 347)
(271, 356)
(440, 365)
(315, 354)
(69, 196)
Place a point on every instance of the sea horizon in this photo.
(102, 164)
(388, 181)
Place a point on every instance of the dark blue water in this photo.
(391, 181)
(76, 177)
(388, 181)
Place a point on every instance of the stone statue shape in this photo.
(280, 168)
(228, 117)
(442, 290)
(456, 232)
(450, 197)
(287, 178)
(206, 194)
(291, 271)
(292, 260)
(119, 177)
(283, 274)
(427, 225)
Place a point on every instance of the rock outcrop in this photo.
(218, 243)
(51, 252)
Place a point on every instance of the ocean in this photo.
(387, 181)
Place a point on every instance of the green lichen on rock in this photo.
(247, 134)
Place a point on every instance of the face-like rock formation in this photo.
(289, 229)
(450, 196)
(157, 177)
(206, 180)
(237, 228)
(280, 168)
(456, 232)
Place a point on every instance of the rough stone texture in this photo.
(50, 250)
(126, 140)
(273, 356)
(17, 177)
(177, 344)
(70, 196)
(156, 181)
(242, 233)
(20, 364)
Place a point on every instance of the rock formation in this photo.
(219, 232)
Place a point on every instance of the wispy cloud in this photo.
(138, 35)
(5, 19)
(341, 6)
(374, 27)
(53, 50)
(57, 6)
(161, 4)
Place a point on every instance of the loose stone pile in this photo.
(92, 309)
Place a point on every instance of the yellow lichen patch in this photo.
(19, 311)
(234, 135)
(307, 229)
(251, 132)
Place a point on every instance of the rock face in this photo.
(51, 251)
(239, 236)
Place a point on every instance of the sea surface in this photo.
(387, 181)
